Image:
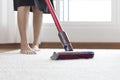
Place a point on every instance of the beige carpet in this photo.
(15, 66)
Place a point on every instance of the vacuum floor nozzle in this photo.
(72, 55)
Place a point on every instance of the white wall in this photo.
(84, 34)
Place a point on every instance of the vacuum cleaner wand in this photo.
(62, 35)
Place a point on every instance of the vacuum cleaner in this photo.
(68, 53)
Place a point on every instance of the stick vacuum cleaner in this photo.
(68, 53)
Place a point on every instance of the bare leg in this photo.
(23, 14)
(37, 23)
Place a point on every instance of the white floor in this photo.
(15, 66)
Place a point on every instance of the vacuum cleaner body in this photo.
(68, 53)
(65, 41)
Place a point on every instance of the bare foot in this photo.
(35, 47)
(25, 49)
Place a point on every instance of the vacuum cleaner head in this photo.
(72, 55)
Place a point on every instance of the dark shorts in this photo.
(18, 3)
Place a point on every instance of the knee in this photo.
(24, 8)
(36, 11)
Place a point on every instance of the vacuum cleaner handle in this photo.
(62, 35)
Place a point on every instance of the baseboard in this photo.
(85, 45)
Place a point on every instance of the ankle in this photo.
(35, 44)
(24, 45)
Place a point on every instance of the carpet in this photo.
(15, 66)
